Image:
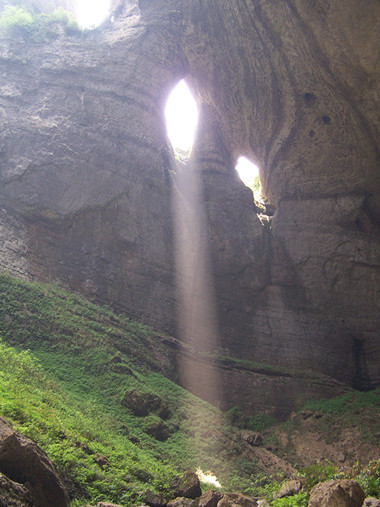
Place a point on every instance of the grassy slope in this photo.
(65, 393)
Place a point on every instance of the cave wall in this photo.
(87, 175)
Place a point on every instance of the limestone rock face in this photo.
(91, 195)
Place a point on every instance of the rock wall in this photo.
(87, 177)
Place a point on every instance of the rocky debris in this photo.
(210, 498)
(22, 461)
(233, 499)
(183, 502)
(252, 438)
(158, 430)
(154, 499)
(107, 504)
(142, 404)
(370, 501)
(187, 486)
(13, 494)
(337, 493)
(289, 488)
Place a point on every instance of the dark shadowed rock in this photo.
(337, 493)
(187, 486)
(183, 502)
(13, 494)
(154, 499)
(159, 430)
(252, 438)
(233, 499)
(371, 502)
(142, 404)
(289, 488)
(210, 498)
(22, 461)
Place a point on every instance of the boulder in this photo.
(289, 488)
(154, 499)
(233, 499)
(210, 498)
(142, 404)
(187, 486)
(370, 501)
(183, 502)
(337, 493)
(252, 438)
(13, 494)
(158, 430)
(22, 461)
(107, 504)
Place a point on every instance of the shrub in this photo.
(39, 27)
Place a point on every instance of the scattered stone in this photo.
(252, 438)
(337, 493)
(306, 414)
(100, 460)
(233, 499)
(341, 458)
(370, 501)
(142, 404)
(318, 414)
(210, 498)
(107, 504)
(14, 494)
(154, 499)
(183, 502)
(22, 461)
(262, 503)
(158, 430)
(290, 488)
(187, 486)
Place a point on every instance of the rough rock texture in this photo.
(371, 502)
(187, 486)
(289, 488)
(90, 193)
(13, 494)
(342, 493)
(23, 462)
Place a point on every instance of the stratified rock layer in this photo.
(91, 195)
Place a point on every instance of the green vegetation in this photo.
(67, 364)
(37, 27)
(71, 375)
(348, 403)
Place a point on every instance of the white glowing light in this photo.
(248, 172)
(91, 13)
(208, 478)
(181, 115)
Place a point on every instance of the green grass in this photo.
(60, 360)
(65, 366)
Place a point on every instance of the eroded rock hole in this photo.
(90, 14)
(249, 173)
(181, 114)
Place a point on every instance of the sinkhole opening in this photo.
(90, 14)
(249, 173)
(181, 115)
(250, 176)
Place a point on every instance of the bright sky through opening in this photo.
(181, 113)
(247, 171)
(91, 13)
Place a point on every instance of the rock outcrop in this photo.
(91, 195)
(28, 477)
(337, 493)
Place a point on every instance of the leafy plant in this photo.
(37, 27)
